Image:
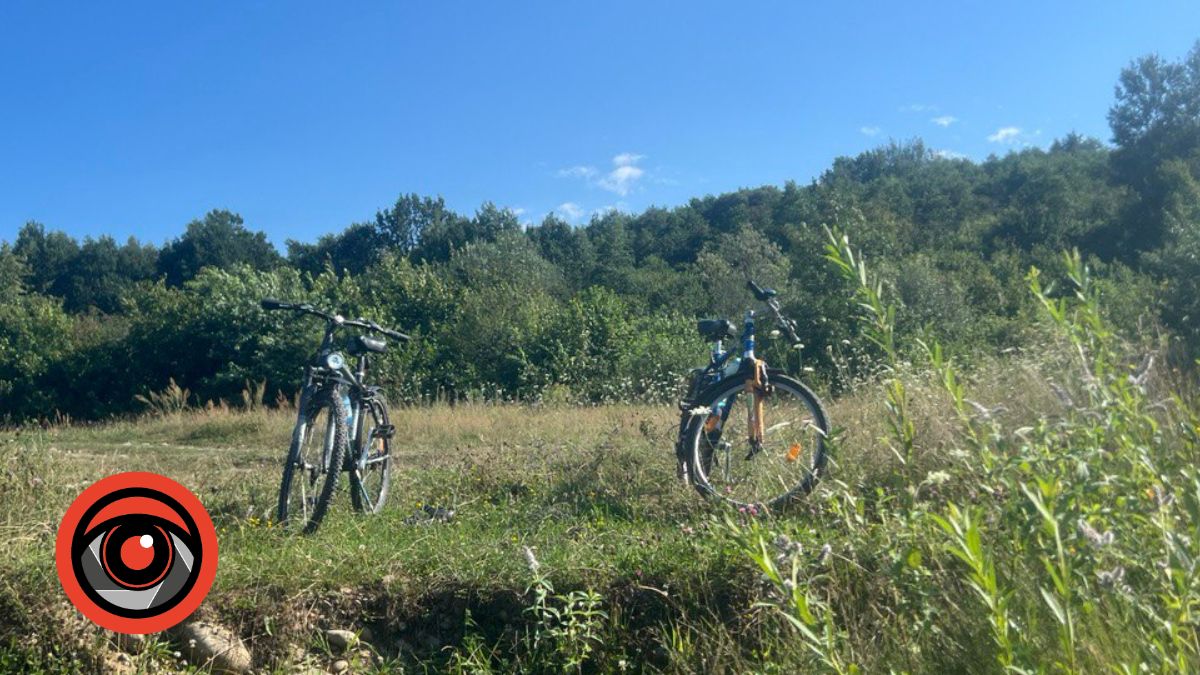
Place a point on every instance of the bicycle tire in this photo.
(699, 468)
(360, 493)
(326, 401)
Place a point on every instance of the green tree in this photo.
(609, 236)
(48, 257)
(35, 334)
(103, 272)
(441, 239)
(221, 240)
(404, 226)
(353, 251)
(1155, 120)
(738, 257)
(566, 247)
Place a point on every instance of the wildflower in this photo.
(1114, 579)
(826, 554)
(1163, 498)
(531, 561)
(1093, 536)
(1139, 376)
(937, 477)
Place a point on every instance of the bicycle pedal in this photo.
(385, 431)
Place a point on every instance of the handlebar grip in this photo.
(271, 303)
(395, 334)
(758, 291)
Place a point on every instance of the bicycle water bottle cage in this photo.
(716, 329)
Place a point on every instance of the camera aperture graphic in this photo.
(136, 552)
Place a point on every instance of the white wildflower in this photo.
(531, 560)
(1093, 536)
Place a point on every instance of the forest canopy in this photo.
(604, 310)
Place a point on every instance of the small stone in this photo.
(340, 665)
(131, 644)
(214, 647)
(341, 641)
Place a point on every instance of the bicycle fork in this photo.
(759, 386)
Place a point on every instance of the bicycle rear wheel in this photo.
(727, 461)
(371, 468)
(310, 475)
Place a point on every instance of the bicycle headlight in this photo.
(335, 361)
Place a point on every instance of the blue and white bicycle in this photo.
(748, 433)
(342, 425)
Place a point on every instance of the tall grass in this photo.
(1069, 539)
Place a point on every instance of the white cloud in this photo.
(869, 131)
(944, 120)
(577, 172)
(570, 211)
(1006, 135)
(948, 154)
(918, 107)
(621, 180)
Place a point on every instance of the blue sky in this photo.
(306, 116)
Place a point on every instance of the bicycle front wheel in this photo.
(757, 448)
(310, 475)
(371, 469)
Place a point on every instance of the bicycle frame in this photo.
(749, 367)
(350, 384)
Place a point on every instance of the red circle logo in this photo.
(136, 553)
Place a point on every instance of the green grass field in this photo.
(591, 491)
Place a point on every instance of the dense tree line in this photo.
(603, 310)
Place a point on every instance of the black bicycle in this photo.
(342, 425)
(774, 452)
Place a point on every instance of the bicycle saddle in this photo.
(715, 329)
(363, 343)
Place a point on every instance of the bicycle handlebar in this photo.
(768, 296)
(759, 292)
(270, 304)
